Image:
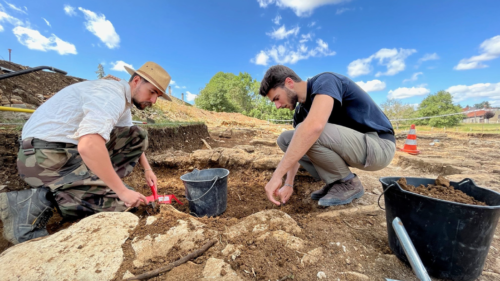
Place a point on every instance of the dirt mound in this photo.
(31, 89)
(441, 190)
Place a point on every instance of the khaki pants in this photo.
(339, 148)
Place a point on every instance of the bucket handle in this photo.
(216, 179)
(378, 201)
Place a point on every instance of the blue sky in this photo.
(393, 49)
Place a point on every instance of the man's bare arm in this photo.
(95, 155)
(303, 138)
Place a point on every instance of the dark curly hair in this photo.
(275, 77)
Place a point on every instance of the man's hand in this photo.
(151, 178)
(132, 198)
(285, 193)
(272, 188)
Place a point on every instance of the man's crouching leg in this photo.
(25, 214)
(85, 200)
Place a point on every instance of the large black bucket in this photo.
(452, 239)
(206, 191)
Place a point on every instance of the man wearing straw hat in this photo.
(338, 126)
(75, 149)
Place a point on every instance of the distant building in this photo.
(477, 116)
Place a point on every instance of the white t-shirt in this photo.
(90, 107)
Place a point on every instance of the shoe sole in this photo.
(8, 227)
(347, 201)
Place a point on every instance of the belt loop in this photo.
(27, 146)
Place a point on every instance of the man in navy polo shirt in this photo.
(337, 126)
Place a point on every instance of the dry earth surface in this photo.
(256, 240)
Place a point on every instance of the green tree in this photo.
(100, 71)
(395, 109)
(228, 92)
(481, 105)
(264, 109)
(440, 103)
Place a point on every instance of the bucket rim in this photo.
(215, 177)
(441, 200)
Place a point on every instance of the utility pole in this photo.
(182, 96)
(10, 50)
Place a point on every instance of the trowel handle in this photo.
(155, 193)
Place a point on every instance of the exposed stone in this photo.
(202, 156)
(267, 163)
(274, 219)
(226, 134)
(234, 157)
(247, 148)
(14, 101)
(213, 270)
(263, 142)
(288, 240)
(496, 265)
(88, 250)
(173, 159)
(128, 274)
(312, 256)
(321, 275)
(150, 220)
(356, 276)
(180, 235)
(14, 97)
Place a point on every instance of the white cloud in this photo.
(489, 50)
(305, 38)
(480, 90)
(414, 77)
(359, 67)
(372, 86)
(288, 53)
(102, 28)
(282, 33)
(311, 24)
(277, 19)
(393, 59)
(261, 58)
(343, 10)
(4, 17)
(402, 93)
(36, 41)
(1, 28)
(13, 7)
(190, 97)
(300, 7)
(70, 11)
(119, 66)
(47, 22)
(428, 57)
(177, 87)
(172, 82)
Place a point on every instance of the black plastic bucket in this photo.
(452, 239)
(206, 191)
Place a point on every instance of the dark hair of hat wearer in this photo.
(275, 77)
(134, 75)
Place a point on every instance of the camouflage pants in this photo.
(77, 190)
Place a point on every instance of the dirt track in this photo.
(354, 243)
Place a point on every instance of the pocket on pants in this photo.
(371, 157)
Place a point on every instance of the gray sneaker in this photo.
(316, 195)
(25, 214)
(343, 192)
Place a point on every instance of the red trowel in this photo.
(161, 199)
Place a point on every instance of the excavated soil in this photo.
(441, 190)
(354, 243)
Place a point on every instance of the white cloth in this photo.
(90, 107)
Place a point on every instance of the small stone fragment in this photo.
(321, 275)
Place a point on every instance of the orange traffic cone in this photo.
(411, 142)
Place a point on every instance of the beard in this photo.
(141, 105)
(292, 97)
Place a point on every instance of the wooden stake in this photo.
(178, 262)
(206, 144)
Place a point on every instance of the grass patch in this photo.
(491, 128)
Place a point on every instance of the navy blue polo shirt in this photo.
(353, 107)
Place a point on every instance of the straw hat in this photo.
(155, 75)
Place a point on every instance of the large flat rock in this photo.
(88, 250)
